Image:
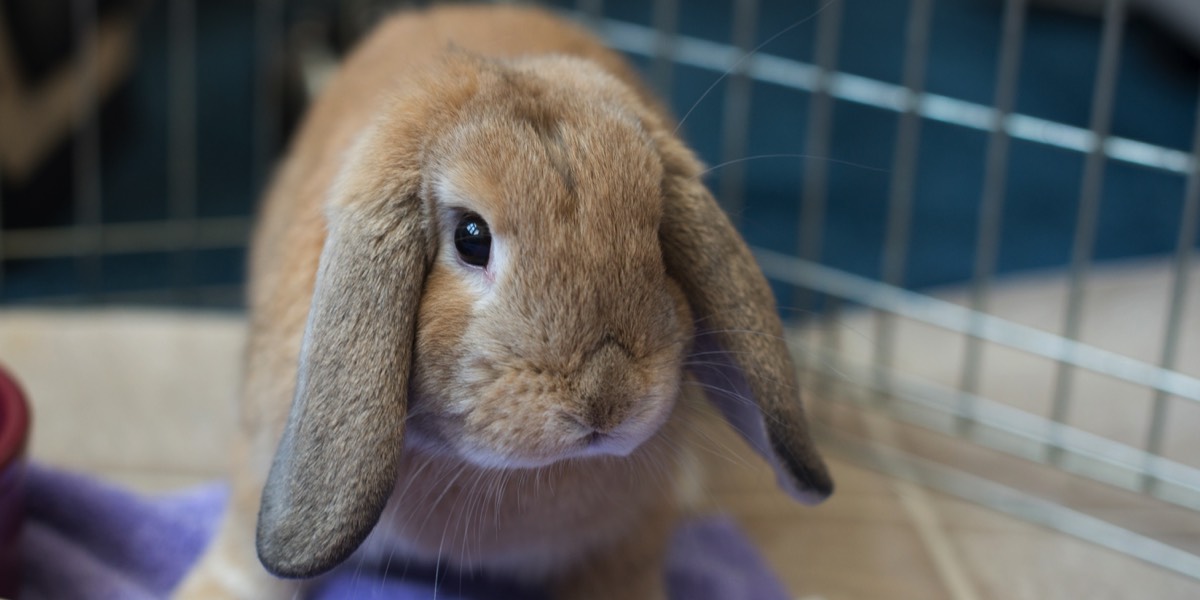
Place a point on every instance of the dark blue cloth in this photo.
(1139, 212)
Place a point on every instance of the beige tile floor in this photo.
(144, 398)
(1124, 308)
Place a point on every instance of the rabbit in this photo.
(483, 279)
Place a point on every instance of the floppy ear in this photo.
(336, 464)
(738, 331)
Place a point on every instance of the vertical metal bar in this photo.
(816, 172)
(903, 181)
(828, 383)
(268, 97)
(736, 120)
(1089, 200)
(1, 238)
(181, 168)
(820, 128)
(666, 26)
(592, 9)
(1189, 222)
(88, 211)
(991, 208)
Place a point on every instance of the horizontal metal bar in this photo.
(1007, 500)
(714, 56)
(219, 293)
(1124, 465)
(126, 238)
(952, 317)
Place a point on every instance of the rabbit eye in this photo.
(473, 239)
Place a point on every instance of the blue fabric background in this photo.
(1156, 101)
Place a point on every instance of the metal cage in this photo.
(86, 248)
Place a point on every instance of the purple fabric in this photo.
(84, 539)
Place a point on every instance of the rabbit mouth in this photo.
(607, 444)
(533, 451)
(594, 445)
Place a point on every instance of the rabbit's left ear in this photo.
(739, 334)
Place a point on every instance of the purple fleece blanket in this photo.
(84, 539)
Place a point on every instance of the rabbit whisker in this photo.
(789, 155)
(735, 397)
(717, 447)
(746, 57)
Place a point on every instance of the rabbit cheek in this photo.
(515, 422)
(444, 317)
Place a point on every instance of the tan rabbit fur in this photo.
(528, 417)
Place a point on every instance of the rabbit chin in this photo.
(621, 443)
(585, 448)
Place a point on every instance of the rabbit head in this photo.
(519, 260)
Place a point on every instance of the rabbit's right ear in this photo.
(336, 464)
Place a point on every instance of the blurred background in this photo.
(137, 135)
(979, 215)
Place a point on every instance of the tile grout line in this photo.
(868, 451)
(950, 568)
(916, 504)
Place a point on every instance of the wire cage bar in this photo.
(736, 117)
(812, 211)
(182, 136)
(821, 293)
(87, 147)
(1089, 195)
(992, 200)
(1189, 223)
(903, 180)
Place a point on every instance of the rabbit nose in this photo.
(604, 391)
(603, 415)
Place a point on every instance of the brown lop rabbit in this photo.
(484, 280)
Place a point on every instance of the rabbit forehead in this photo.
(536, 153)
(575, 207)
